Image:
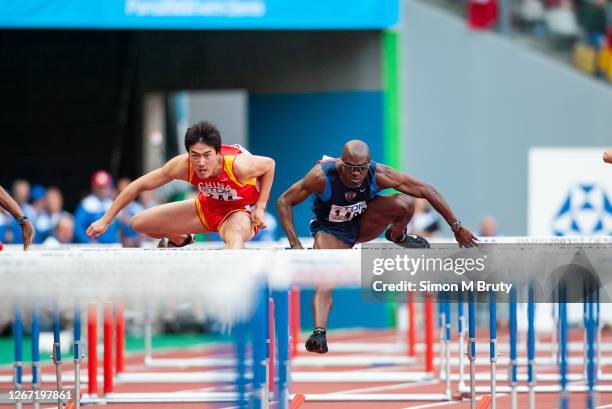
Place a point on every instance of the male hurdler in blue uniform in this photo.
(348, 209)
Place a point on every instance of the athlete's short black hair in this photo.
(203, 132)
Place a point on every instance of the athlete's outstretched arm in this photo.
(313, 182)
(175, 168)
(11, 206)
(607, 156)
(387, 177)
(262, 167)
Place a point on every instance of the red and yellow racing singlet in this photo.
(222, 195)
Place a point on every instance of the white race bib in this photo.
(219, 191)
(339, 214)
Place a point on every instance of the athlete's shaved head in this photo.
(356, 152)
(353, 168)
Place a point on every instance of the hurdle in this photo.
(345, 267)
(66, 287)
(309, 361)
(293, 266)
(283, 384)
(532, 388)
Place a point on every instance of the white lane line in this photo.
(432, 405)
(387, 387)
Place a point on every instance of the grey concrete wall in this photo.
(227, 109)
(474, 104)
(259, 61)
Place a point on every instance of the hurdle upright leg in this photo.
(461, 341)
(281, 310)
(441, 329)
(57, 352)
(77, 355)
(148, 333)
(591, 335)
(240, 339)
(513, 352)
(260, 339)
(18, 339)
(472, 347)
(563, 339)
(447, 338)
(294, 322)
(36, 373)
(120, 336)
(92, 351)
(554, 336)
(531, 345)
(599, 328)
(492, 345)
(108, 348)
(586, 330)
(271, 351)
(429, 334)
(411, 325)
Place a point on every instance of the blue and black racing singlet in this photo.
(338, 208)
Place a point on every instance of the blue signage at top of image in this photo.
(200, 14)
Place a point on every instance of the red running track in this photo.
(135, 363)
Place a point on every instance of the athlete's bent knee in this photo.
(234, 231)
(406, 203)
(137, 223)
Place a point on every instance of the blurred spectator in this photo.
(93, 208)
(54, 203)
(63, 233)
(561, 20)
(531, 11)
(20, 191)
(609, 22)
(488, 227)
(424, 222)
(129, 238)
(10, 205)
(41, 217)
(37, 209)
(121, 184)
(5, 225)
(592, 17)
(481, 14)
(146, 199)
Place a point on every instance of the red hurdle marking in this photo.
(484, 402)
(411, 326)
(72, 402)
(297, 401)
(294, 320)
(120, 340)
(108, 348)
(429, 333)
(271, 329)
(92, 353)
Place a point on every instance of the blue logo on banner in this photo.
(585, 211)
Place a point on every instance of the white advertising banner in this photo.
(569, 195)
(569, 192)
